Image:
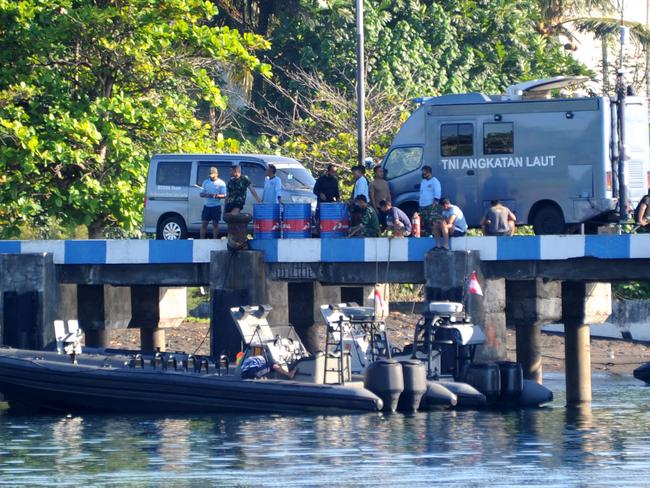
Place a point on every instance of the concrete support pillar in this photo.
(529, 305)
(577, 351)
(154, 308)
(28, 300)
(529, 351)
(91, 315)
(447, 275)
(152, 340)
(582, 304)
(235, 279)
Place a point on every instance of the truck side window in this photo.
(173, 173)
(498, 138)
(402, 160)
(457, 139)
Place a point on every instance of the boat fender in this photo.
(415, 385)
(157, 361)
(138, 360)
(205, 364)
(385, 379)
(190, 363)
(171, 362)
(224, 362)
(534, 394)
(437, 396)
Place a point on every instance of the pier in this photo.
(527, 282)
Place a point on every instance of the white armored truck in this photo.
(553, 161)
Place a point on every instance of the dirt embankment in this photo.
(616, 356)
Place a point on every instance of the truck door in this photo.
(455, 164)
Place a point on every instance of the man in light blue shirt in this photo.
(360, 183)
(430, 191)
(214, 190)
(272, 186)
(452, 224)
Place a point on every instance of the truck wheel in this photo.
(548, 220)
(171, 229)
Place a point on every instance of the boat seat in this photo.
(68, 338)
(310, 369)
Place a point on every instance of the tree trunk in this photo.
(96, 229)
(266, 9)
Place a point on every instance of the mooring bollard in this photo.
(237, 230)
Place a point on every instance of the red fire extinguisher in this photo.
(416, 224)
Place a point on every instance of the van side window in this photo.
(457, 139)
(402, 160)
(203, 170)
(255, 173)
(498, 138)
(173, 173)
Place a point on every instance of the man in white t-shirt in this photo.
(452, 224)
(360, 188)
(430, 191)
(272, 186)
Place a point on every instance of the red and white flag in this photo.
(474, 286)
(379, 302)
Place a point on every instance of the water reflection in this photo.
(549, 447)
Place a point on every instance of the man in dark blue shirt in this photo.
(396, 220)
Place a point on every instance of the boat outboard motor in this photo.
(384, 378)
(486, 378)
(512, 381)
(415, 385)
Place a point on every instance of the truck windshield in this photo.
(402, 160)
(296, 178)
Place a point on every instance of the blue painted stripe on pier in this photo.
(170, 251)
(342, 250)
(85, 252)
(419, 247)
(518, 248)
(10, 247)
(608, 246)
(269, 246)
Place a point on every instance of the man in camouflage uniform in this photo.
(369, 225)
(430, 190)
(236, 194)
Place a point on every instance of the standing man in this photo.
(369, 223)
(452, 224)
(326, 188)
(360, 189)
(379, 190)
(214, 190)
(430, 191)
(642, 213)
(396, 220)
(272, 186)
(360, 182)
(237, 186)
(498, 220)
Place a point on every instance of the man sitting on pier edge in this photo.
(452, 224)
(369, 224)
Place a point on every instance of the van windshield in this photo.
(402, 160)
(296, 178)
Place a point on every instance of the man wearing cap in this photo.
(214, 190)
(237, 186)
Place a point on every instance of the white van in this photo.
(172, 208)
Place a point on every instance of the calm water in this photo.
(606, 446)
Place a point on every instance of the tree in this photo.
(90, 88)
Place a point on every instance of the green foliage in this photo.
(632, 290)
(89, 89)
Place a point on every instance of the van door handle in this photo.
(470, 172)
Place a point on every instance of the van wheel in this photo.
(548, 220)
(171, 229)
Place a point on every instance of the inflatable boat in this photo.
(643, 373)
(71, 380)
